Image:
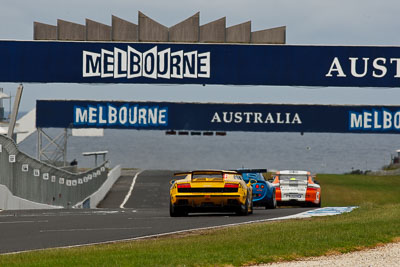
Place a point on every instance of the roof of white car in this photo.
(294, 172)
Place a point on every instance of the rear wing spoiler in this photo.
(251, 171)
(181, 173)
(202, 171)
(205, 171)
(216, 173)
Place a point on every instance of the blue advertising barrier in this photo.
(170, 63)
(217, 116)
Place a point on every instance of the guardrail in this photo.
(36, 181)
(94, 199)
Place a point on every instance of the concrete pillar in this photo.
(42, 31)
(269, 36)
(186, 31)
(96, 31)
(70, 31)
(239, 33)
(213, 32)
(150, 30)
(123, 30)
(14, 113)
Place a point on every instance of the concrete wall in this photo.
(10, 202)
(213, 32)
(94, 199)
(96, 31)
(186, 31)
(149, 30)
(240, 33)
(123, 30)
(36, 181)
(70, 31)
(269, 36)
(42, 31)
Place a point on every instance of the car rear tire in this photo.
(272, 202)
(244, 209)
(175, 211)
(172, 210)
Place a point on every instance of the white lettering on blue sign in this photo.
(152, 64)
(359, 67)
(256, 117)
(126, 115)
(375, 120)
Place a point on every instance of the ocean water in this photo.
(317, 152)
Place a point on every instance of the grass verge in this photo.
(376, 221)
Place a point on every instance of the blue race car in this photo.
(263, 191)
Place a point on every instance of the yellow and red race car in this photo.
(296, 188)
(210, 190)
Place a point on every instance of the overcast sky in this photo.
(343, 22)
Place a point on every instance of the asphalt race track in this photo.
(146, 212)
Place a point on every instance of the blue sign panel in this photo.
(217, 117)
(168, 63)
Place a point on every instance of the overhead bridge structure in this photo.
(148, 52)
(31, 183)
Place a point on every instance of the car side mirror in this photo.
(172, 181)
(316, 182)
(270, 180)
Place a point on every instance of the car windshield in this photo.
(292, 177)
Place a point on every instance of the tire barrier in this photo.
(36, 181)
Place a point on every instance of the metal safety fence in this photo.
(40, 182)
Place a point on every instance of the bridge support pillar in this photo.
(14, 113)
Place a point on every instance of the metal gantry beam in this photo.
(149, 30)
(54, 150)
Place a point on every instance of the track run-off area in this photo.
(136, 207)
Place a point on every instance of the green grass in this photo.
(376, 221)
(347, 190)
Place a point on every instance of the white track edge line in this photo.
(130, 190)
(159, 235)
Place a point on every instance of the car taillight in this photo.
(262, 186)
(183, 186)
(257, 186)
(231, 186)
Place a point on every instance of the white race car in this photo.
(296, 188)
